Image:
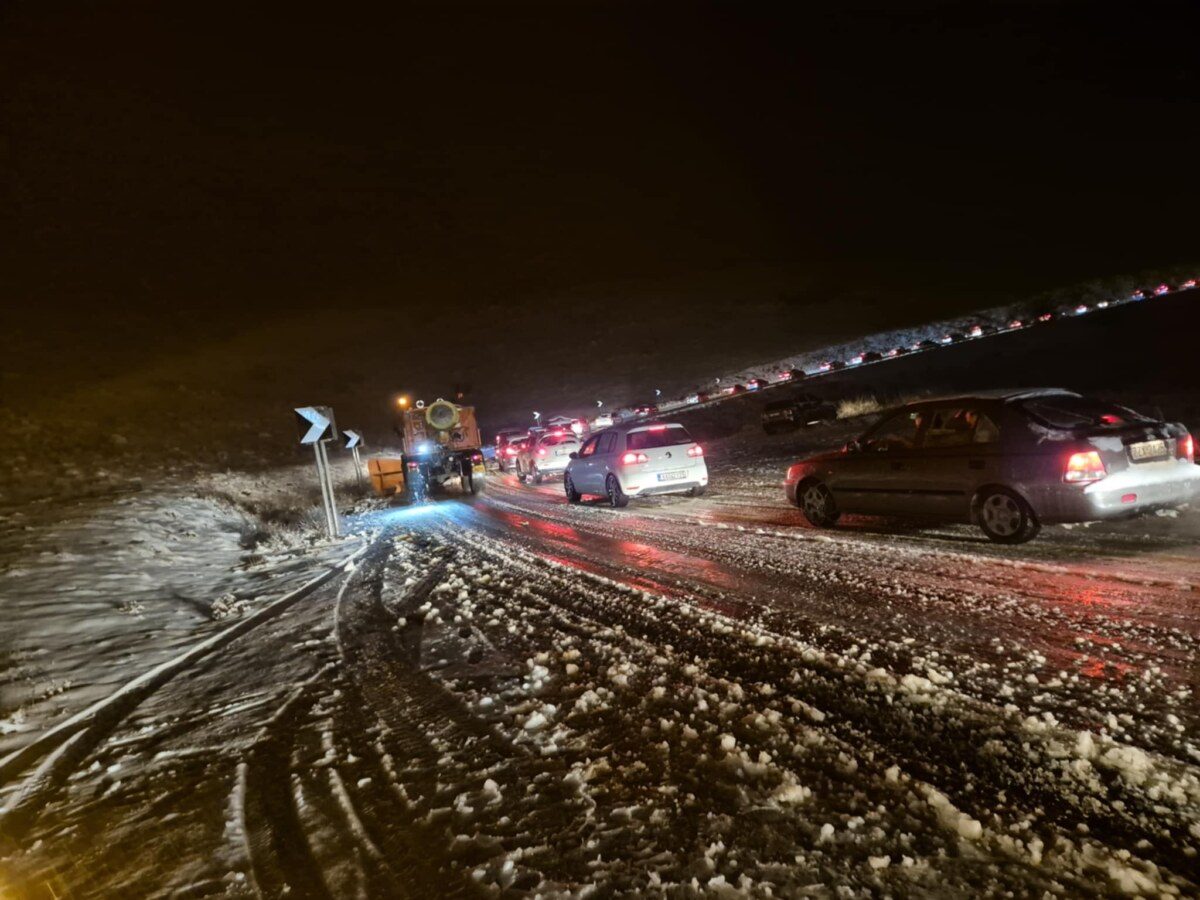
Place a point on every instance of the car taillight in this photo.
(541, 451)
(695, 450)
(511, 451)
(631, 458)
(1187, 448)
(1084, 467)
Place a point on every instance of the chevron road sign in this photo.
(316, 424)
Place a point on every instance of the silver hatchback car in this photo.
(1007, 461)
(634, 461)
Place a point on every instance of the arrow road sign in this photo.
(352, 438)
(316, 424)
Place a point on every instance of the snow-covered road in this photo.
(690, 696)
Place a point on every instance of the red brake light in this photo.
(510, 450)
(541, 451)
(695, 450)
(1084, 467)
(1187, 448)
(632, 458)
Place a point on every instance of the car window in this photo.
(590, 447)
(658, 436)
(986, 431)
(897, 432)
(1072, 412)
(950, 426)
(551, 439)
(607, 442)
(959, 426)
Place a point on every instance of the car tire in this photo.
(537, 476)
(617, 498)
(468, 483)
(1005, 517)
(698, 490)
(816, 502)
(573, 496)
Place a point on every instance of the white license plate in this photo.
(671, 476)
(559, 453)
(1148, 450)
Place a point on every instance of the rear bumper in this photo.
(552, 465)
(644, 484)
(1136, 489)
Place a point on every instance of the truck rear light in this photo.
(631, 458)
(1187, 448)
(1084, 467)
(476, 457)
(695, 450)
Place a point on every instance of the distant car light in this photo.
(1084, 467)
(1081, 309)
(1160, 290)
(1188, 285)
(1187, 448)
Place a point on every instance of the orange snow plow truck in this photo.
(441, 445)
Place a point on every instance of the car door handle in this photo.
(975, 464)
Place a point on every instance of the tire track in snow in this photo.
(70, 741)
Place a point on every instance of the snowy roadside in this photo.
(101, 587)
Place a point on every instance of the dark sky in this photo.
(161, 159)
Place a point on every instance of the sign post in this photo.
(316, 428)
(352, 441)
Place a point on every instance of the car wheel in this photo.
(468, 483)
(817, 503)
(617, 498)
(573, 496)
(698, 490)
(1006, 518)
(537, 476)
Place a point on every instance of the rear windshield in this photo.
(1076, 412)
(667, 436)
(551, 439)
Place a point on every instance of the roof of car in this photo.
(626, 428)
(1006, 395)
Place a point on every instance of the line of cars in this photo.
(1043, 316)
(1007, 461)
(615, 463)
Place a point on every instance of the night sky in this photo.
(179, 173)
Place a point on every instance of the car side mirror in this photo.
(574, 455)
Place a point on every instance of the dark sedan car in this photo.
(788, 415)
(1007, 461)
